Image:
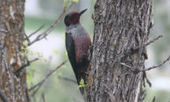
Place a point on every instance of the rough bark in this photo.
(11, 42)
(121, 26)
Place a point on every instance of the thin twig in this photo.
(147, 69)
(68, 79)
(43, 97)
(27, 38)
(51, 28)
(153, 100)
(130, 67)
(153, 67)
(35, 91)
(137, 71)
(153, 40)
(24, 66)
(136, 49)
(39, 84)
(125, 65)
(147, 80)
(3, 97)
(42, 26)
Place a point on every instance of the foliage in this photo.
(82, 83)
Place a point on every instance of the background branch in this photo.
(42, 26)
(153, 100)
(46, 32)
(24, 66)
(39, 84)
(153, 40)
(43, 97)
(136, 49)
(156, 66)
(147, 69)
(67, 79)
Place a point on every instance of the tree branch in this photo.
(153, 40)
(153, 67)
(68, 79)
(24, 66)
(147, 80)
(147, 69)
(136, 49)
(51, 28)
(39, 84)
(154, 98)
(125, 65)
(43, 97)
(42, 26)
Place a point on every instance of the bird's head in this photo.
(73, 17)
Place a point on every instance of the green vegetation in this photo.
(33, 23)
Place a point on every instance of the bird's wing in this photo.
(70, 47)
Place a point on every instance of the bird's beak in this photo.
(82, 12)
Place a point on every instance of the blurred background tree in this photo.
(13, 86)
(52, 50)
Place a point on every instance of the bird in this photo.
(77, 44)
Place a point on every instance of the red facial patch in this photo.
(75, 12)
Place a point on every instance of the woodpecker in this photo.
(77, 44)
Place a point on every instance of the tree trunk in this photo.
(12, 85)
(121, 29)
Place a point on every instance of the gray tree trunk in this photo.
(121, 29)
(12, 85)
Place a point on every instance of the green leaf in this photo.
(75, 0)
(29, 77)
(65, 54)
(23, 54)
(66, 2)
(39, 54)
(31, 53)
(63, 37)
(56, 51)
(60, 73)
(25, 44)
(82, 83)
(46, 60)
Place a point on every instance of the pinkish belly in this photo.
(81, 49)
(81, 46)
